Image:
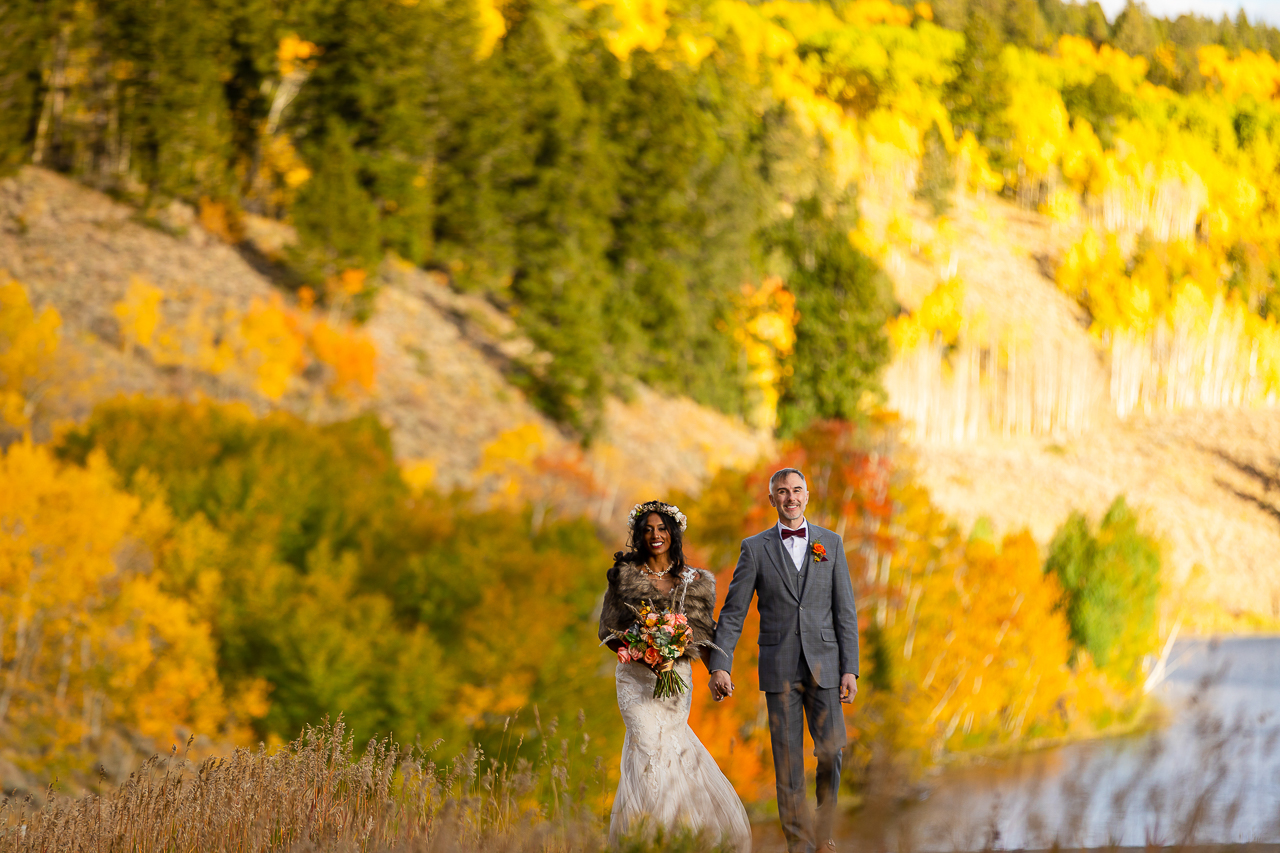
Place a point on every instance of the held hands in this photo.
(848, 688)
(721, 686)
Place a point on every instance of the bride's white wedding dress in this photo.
(668, 777)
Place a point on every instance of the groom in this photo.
(808, 651)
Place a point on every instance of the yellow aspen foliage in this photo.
(268, 346)
(493, 26)
(1250, 73)
(139, 313)
(419, 474)
(973, 166)
(940, 318)
(294, 53)
(1040, 127)
(1079, 53)
(765, 330)
(88, 638)
(638, 25)
(28, 342)
(868, 12)
(274, 346)
(512, 452)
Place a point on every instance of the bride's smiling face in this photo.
(657, 538)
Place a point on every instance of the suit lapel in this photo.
(815, 536)
(781, 562)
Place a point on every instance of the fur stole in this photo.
(629, 586)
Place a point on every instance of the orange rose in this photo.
(652, 656)
(681, 619)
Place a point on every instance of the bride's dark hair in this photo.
(639, 549)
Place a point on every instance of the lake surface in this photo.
(1212, 775)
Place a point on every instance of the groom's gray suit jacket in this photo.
(811, 610)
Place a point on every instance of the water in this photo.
(1211, 776)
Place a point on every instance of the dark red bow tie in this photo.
(802, 532)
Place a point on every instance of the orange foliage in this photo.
(269, 345)
(352, 357)
(962, 642)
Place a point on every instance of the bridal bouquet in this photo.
(657, 639)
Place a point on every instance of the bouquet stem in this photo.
(669, 682)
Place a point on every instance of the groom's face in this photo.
(789, 497)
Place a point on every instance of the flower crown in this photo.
(640, 511)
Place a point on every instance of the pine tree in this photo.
(937, 173)
(25, 32)
(336, 218)
(978, 96)
(1135, 32)
(843, 300)
(371, 76)
(170, 106)
(526, 187)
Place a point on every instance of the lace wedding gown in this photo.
(668, 777)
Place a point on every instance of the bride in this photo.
(668, 777)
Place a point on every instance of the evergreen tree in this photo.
(527, 187)
(1096, 27)
(25, 31)
(371, 76)
(1135, 32)
(337, 221)
(978, 96)
(843, 300)
(170, 104)
(937, 173)
(1024, 24)
(684, 228)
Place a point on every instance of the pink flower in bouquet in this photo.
(681, 619)
(624, 655)
(651, 619)
(637, 652)
(670, 621)
(652, 656)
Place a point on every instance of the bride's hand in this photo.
(720, 684)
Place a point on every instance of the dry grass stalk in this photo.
(318, 794)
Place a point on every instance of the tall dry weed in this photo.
(318, 794)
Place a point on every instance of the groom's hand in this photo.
(848, 687)
(721, 686)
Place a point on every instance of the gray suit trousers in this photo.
(805, 698)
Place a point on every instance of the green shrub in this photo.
(1110, 577)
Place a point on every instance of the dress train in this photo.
(668, 777)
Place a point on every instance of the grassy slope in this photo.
(441, 386)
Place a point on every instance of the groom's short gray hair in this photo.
(778, 475)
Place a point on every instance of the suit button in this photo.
(797, 632)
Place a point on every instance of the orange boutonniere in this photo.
(819, 553)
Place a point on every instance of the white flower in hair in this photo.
(640, 510)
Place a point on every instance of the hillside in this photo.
(440, 385)
(1203, 477)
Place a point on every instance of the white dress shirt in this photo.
(796, 546)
